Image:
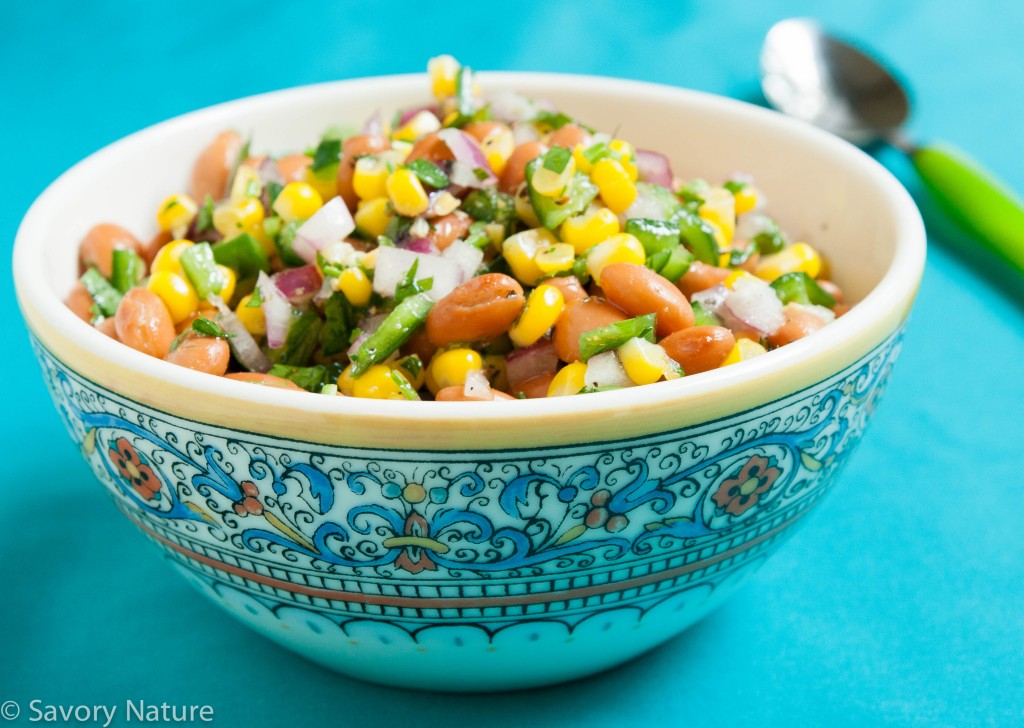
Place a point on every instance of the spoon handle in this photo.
(973, 197)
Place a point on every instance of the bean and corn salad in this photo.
(473, 248)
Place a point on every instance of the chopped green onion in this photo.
(615, 335)
(428, 173)
(128, 269)
(256, 299)
(408, 286)
(392, 333)
(199, 265)
(477, 235)
(403, 386)
(104, 296)
(597, 152)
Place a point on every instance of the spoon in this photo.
(808, 74)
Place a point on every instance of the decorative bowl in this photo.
(466, 546)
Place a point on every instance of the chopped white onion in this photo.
(276, 310)
(751, 224)
(477, 386)
(523, 132)
(711, 298)
(242, 343)
(330, 224)
(467, 153)
(646, 205)
(394, 263)
(467, 257)
(509, 106)
(755, 304)
(605, 370)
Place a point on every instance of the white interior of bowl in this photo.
(821, 190)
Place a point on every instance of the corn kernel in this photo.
(449, 368)
(719, 208)
(375, 383)
(421, 124)
(746, 199)
(498, 147)
(644, 362)
(594, 226)
(498, 371)
(569, 380)
(176, 293)
(582, 163)
(559, 257)
(176, 214)
(614, 184)
(550, 183)
(166, 260)
(372, 216)
(369, 178)
(356, 286)
(228, 282)
(443, 71)
(627, 157)
(326, 187)
(399, 151)
(543, 307)
(524, 208)
(406, 193)
(231, 219)
(621, 248)
(247, 183)
(346, 382)
(297, 201)
(369, 260)
(743, 350)
(520, 251)
(798, 257)
(737, 275)
(252, 317)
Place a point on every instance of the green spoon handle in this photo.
(985, 207)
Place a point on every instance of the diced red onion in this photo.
(242, 343)
(329, 224)
(366, 327)
(418, 245)
(299, 285)
(711, 298)
(268, 171)
(374, 125)
(408, 114)
(394, 263)
(276, 310)
(605, 370)
(756, 305)
(477, 386)
(532, 361)
(467, 257)
(468, 159)
(654, 167)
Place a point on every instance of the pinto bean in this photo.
(213, 167)
(352, 149)
(580, 317)
(515, 169)
(569, 136)
(266, 380)
(535, 387)
(80, 302)
(701, 277)
(831, 289)
(699, 348)
(431, 148)
(480, 309)
(799, 323)
(107, 327)
(419, 345)
(207, 354)
(98, 246)
(143, 322)
(480, 130)
(638, 290)
(570, 286)
(292, 167)
(458, 394)
(446, 230)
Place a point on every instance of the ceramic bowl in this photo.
(467, 546)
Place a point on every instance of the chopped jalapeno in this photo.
(615, 335)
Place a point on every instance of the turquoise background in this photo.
(899, 602)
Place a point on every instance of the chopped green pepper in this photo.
(283, 243)
(654, 235)
(204, 218)
(105, 297)
(702, 316)
(698, 236)
(615, 335)
(243, 254)
(392, 333)
(798, 287)
(771, 239)
(551, 213)
(671, 263)
(128, 269)
(403, 386)
(199, 265)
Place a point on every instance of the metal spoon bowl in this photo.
(813, 76)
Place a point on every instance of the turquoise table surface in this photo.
(899, 602)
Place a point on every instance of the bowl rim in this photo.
(894, 291)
